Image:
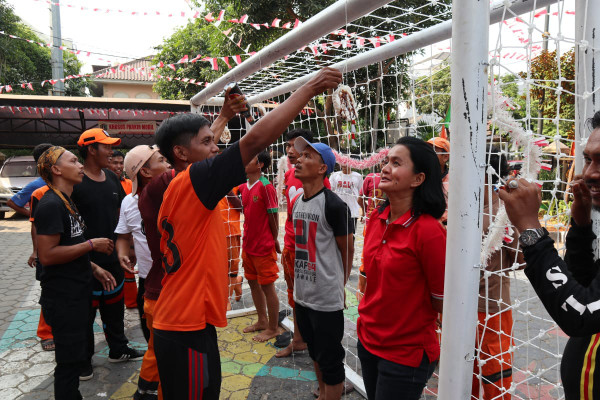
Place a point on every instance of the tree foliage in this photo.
(432, 92)
(23, 62)
(377, 86)
(553, 91)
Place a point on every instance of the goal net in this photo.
(396, 62)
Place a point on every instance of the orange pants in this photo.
(287, 262)
(496, 373)
(130, 290)
(44, 330)
(149, 380)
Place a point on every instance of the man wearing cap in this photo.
(442, 149)
(324, 251)
(98, 198)
(142, 163)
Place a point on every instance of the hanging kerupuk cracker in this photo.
(345, 106)
(225, 136)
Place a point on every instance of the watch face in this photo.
(529, 237)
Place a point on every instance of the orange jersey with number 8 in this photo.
(194, 250)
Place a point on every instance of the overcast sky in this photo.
(122, 36)
(112, 33)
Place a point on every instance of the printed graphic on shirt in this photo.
(75, 227)
(306, 250)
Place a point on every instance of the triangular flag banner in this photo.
(226, 59)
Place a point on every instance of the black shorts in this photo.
(189, 365)
(323, 332)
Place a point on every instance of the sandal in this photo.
(283, 340)
(48, 345)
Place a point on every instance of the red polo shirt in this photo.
(404, 263)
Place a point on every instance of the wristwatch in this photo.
(529, 237)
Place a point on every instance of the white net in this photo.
(531, 125)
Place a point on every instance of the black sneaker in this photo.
(128, 355)
(86, 374)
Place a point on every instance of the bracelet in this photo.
(91, 244)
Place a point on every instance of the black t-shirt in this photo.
(99, 204)
(71, 280)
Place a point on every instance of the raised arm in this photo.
(272, 125)
(230, 108)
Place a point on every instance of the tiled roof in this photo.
(136, 70)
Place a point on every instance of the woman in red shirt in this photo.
(404, 254)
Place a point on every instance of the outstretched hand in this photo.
(127, 264)
(581, 210)
(522, 204)
(327, 78)
(233, 105)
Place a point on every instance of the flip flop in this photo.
(283, 340)
(48, 345)
(283, 314)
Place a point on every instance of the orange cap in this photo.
(97, 135)
(441, 143)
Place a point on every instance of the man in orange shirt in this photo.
(149, 204)
(117, 165)
(44, 331)
(194, 294)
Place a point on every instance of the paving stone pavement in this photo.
(249, 368)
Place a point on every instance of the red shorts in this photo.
(287, 262)
(261, 268)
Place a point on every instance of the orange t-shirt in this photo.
(231, 216)
(36, 196)
(193, 244)
(127, 185)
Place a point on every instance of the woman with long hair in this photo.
(404, 255)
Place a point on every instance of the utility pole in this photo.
(540, 130)
(56, 53)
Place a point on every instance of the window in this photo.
(121, 95)
(18, 169)
(143, 96)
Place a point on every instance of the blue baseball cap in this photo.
(325, 151)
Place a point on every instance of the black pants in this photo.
(572, 370)
(387, 380)
(323, 332)
(112, 311)
(69, 322)
(189, 364)
(140, 307)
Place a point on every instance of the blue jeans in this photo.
(387, 380)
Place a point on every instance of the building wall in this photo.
(129, 91)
